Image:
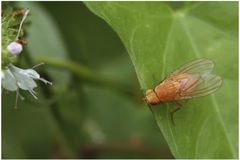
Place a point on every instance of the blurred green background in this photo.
(95, 115)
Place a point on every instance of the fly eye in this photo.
(15, 48)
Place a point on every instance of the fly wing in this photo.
(203, 85)
(199, 66)
(195, 79)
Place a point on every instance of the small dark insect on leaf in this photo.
(189, 81)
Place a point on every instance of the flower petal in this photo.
(8, 81)
(23, 80)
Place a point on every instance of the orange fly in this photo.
(191, 80)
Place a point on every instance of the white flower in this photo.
(14, 78)
(15, 48)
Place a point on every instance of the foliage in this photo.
(94, 107)
(160, 37)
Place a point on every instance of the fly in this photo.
(189, 81)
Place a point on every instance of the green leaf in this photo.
(159, 39)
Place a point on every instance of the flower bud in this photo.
(15, 48)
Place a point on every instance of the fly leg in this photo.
(179, 106)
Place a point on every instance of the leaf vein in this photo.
(212, 96)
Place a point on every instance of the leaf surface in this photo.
(159, 39)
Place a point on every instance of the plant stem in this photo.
(92, 77)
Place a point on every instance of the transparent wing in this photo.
(201, 86)
(199, 66)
